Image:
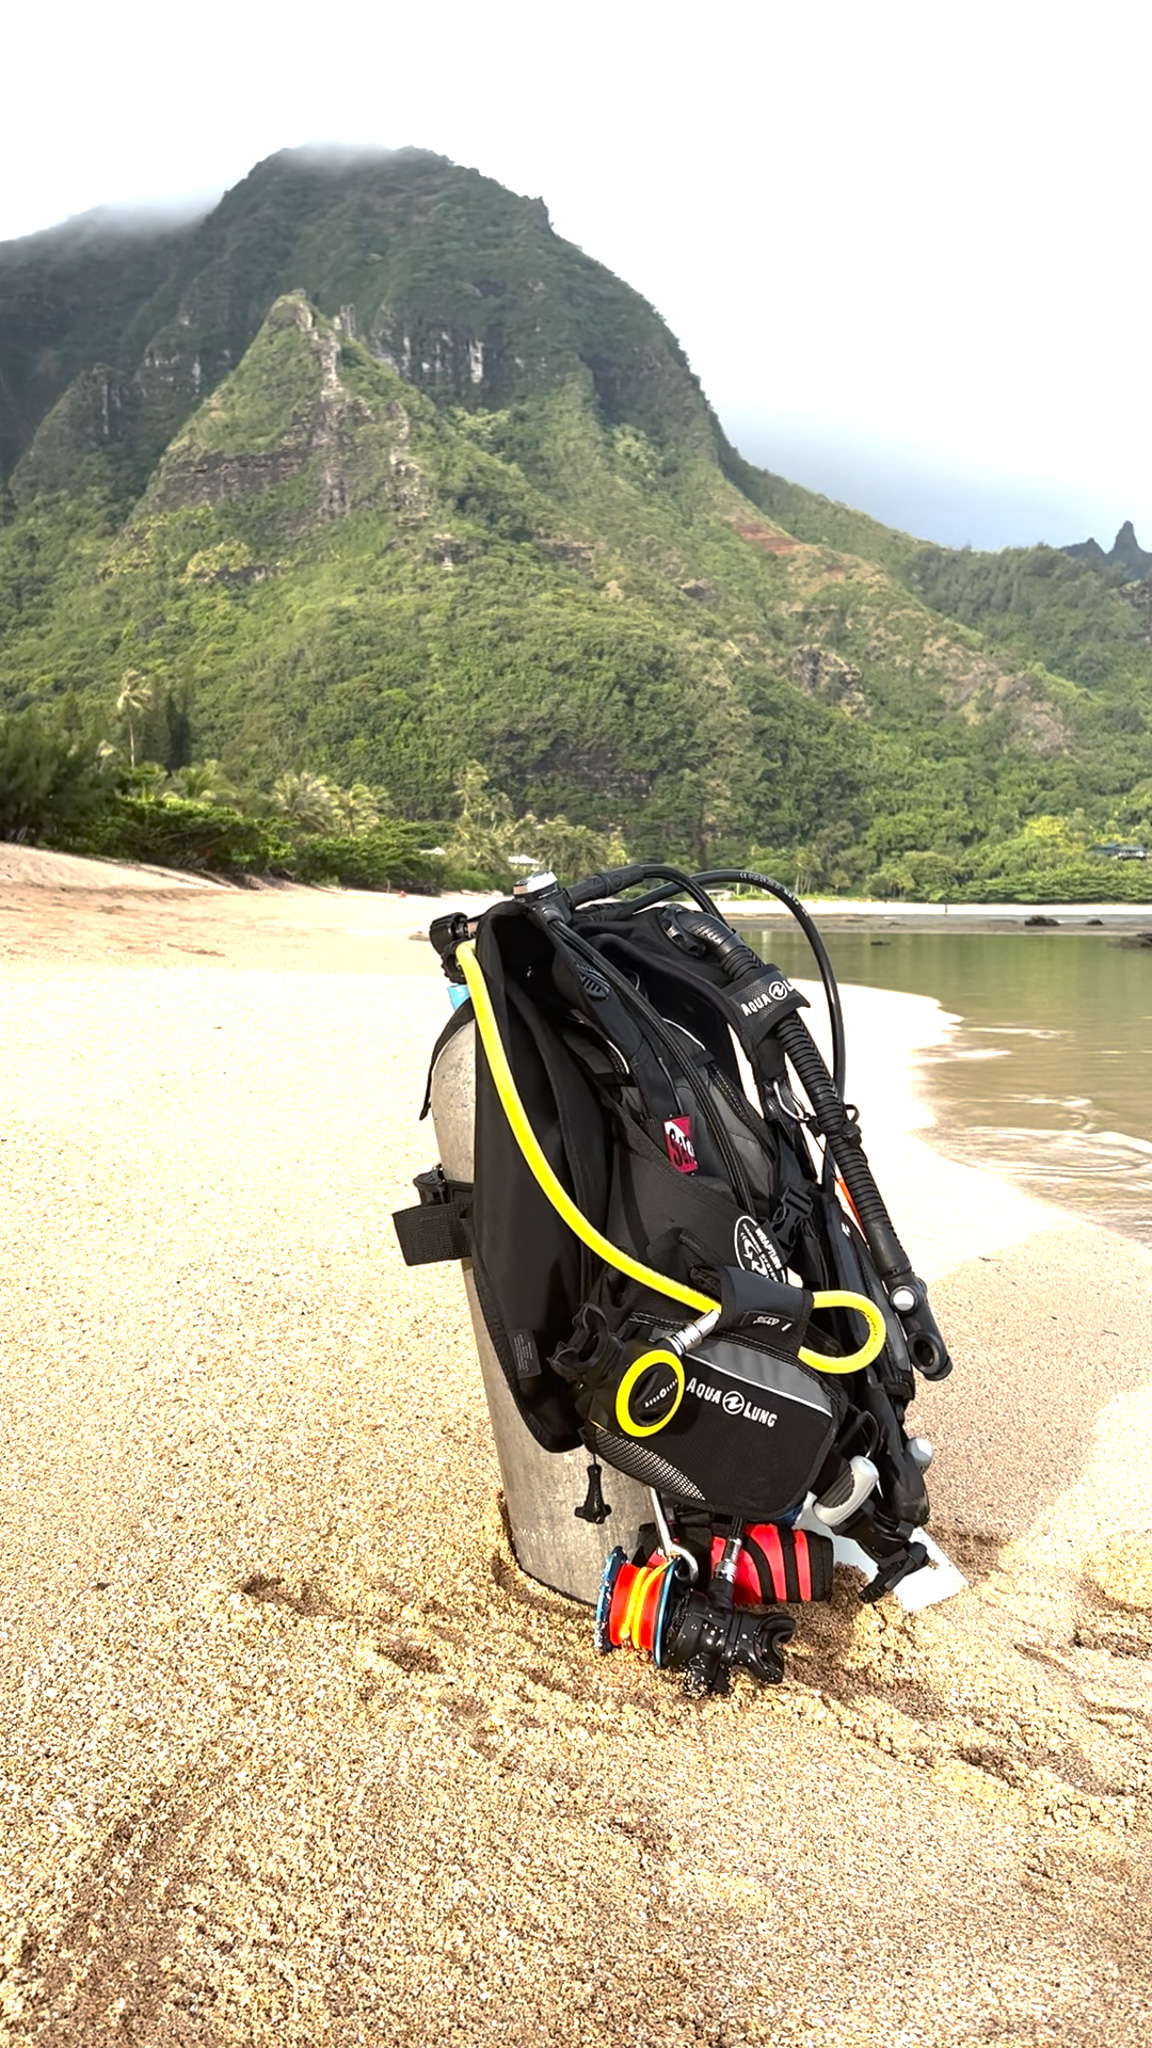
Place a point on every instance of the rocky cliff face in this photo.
(457, 284)
(1125, 553)
(285, 411)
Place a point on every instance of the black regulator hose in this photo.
(726, 878)
(906, 1292)
(716, 878)
(611, 881)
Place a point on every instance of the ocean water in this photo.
(1047, 1078)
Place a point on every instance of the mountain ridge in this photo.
(1125, 553)
(471, 294)
(314, 526)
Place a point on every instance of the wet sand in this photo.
(292, 1753)
(836, 914)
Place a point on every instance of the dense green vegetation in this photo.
(65, 782)
(64, 785)
(1043, 604)
(51, 783)
(67, 300)
(381, 480)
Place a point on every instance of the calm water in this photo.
(1048, 1078)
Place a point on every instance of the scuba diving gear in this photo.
(566, 1208)
(698, 1284)
(656, 1609)
(778, 1562)
(758, 990)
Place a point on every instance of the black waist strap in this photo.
(438, 1226)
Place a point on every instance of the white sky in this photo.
(903, 244)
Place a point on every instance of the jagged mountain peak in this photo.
(461, 285)
(1125, 553)
(293, 412)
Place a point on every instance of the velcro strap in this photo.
(768, 1309)
(761, 1000)
(757, 1002)
(430, 1232)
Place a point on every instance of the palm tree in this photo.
(135, 695)
(483, 833)
(203, 782)
(358, 808)
(307, 799)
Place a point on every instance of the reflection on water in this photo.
(1047, 1079)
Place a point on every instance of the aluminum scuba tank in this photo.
(543, 1490)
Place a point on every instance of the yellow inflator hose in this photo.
(604, 1249)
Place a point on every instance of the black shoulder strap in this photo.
(751, 1007)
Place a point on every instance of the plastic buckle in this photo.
(432, 1187)
(792, 1213)
(446, 933)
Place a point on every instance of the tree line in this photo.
(65, 783)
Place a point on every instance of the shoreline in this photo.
(834, 914)
(35, 867)
(137, 914)
(49, 904)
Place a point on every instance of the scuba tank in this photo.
(564, 1521)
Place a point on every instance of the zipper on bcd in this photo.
(655, 1025)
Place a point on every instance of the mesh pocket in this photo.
(645, 1465)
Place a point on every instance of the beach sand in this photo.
(292, 1753)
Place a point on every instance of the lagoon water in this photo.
(1048, 1075)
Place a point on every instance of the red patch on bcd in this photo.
(678, 1139)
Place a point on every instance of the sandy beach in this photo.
(292, 1753)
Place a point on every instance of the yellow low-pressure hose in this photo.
(604, 1249)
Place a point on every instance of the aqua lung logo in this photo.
(776, 992)
(733, 1404)
(755, 1251)
(662, 1393)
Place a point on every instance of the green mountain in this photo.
(67, 299)
(371, 474)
